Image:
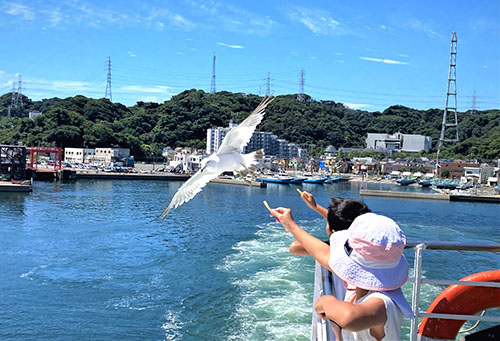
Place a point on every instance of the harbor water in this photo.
(92, 260)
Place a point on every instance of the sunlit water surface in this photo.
(91, 259)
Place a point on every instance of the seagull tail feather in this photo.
(165, 212)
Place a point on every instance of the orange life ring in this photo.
(461, 300)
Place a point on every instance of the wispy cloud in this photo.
(317, 20)
(232, 18)
(15, 9)
(231, 46)
(385, 61)
(131, 54)
(403, 55)
(419, 26)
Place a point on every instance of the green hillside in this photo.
(183, 120)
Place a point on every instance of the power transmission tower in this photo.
(450, 108)
(300, 96)
(474, 108)
(108, 82)
(268, 84)
(19, 99)
(212, 85)
(13, 98)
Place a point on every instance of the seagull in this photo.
(228, 158)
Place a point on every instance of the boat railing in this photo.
(321, 330)
(417, 280)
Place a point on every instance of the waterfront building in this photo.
(79, 155)
(455, 168)
(215, 137)
(265, 140)
(108, 156)
(398, 142)
(479, 174)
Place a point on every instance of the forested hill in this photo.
(183, 120)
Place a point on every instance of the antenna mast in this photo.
(450, 108)
(212, 85)
(108, 82)
(300, 96)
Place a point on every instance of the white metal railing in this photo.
(322, 331)
(419, 247)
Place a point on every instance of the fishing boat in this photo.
(318, 181)
(406, 181)
(333, 179)
(276, 180)
(456, 304)
(425, 183)
(297, 180)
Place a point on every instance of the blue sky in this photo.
(366, 54)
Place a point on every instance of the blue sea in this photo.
(92, 260)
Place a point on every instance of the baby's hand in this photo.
(308, 198)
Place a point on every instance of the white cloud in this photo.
(385, 61)
(18, 9)
(339, 61)
(317, 20)
(312, 58)
(485, 66)
(383, 27)
(159, 89)
(231, 46)
(357, 105)
(403, 55)
(338, 53)
(131, 54)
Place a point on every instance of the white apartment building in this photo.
(215, 137)
(78, 155)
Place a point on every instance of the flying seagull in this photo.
(228, 158)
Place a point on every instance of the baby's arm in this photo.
(308, 198)
(351, 316)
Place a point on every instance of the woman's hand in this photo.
(283, 216)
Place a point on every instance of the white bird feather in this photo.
(227, 158)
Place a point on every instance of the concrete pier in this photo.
(10, 187)
(408, 195)
(432, 196)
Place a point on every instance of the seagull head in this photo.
(212, 159)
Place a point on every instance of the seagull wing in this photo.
(189, 189)
(238, 137)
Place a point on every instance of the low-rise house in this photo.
(455, 168)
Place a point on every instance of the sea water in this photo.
(92, 260)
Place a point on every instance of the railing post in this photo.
(417, 269)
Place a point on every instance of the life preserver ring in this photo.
(461, 300)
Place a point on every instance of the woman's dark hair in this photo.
(342, 212)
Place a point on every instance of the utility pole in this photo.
(268, 84)
(450, 105)
(108, 94)
(300, 96)
(212, 85)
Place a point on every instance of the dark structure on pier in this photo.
(13, 162)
